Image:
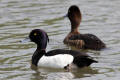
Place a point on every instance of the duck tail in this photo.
(90, 60)
(84, 61)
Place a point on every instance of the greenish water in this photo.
(19, 17)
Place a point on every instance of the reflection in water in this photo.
(61, 74)
(37, 75)
(85, 72)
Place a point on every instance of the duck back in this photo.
(91, 41)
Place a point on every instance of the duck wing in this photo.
(80, 59)
(62, 51)
(90, 41)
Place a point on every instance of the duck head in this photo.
(74, 16)
(39, 37)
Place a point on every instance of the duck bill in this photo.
(65, 16)
(27, 39)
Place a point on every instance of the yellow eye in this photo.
(35, 34)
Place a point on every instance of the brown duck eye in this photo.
(68, 11)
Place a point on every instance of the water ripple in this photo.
(19, 17)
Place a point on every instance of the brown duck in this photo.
(75, 38)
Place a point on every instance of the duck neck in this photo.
(75, 23)
(74, 28)
(37, 55)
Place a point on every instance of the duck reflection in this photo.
(61, 74)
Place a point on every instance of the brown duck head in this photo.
(74, 16)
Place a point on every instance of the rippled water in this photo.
(19, 17)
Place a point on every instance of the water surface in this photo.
(19, 17)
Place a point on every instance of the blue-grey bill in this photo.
(25, 40)
(65, 16)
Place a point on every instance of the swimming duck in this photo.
(75, 38)
(57, 58)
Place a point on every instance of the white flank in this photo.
(56, 61)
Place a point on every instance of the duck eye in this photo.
(35, 34)
(68, 11)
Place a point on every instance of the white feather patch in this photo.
(56, 61)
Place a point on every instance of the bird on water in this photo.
(75, 38)
(58, 58)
